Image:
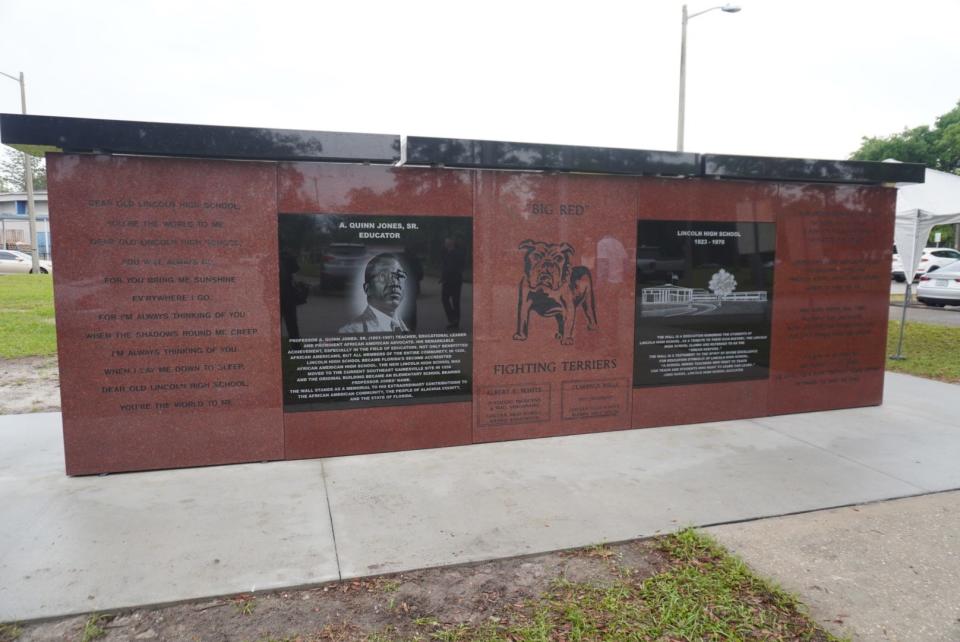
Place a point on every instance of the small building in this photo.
(667, 294)
(15, 227)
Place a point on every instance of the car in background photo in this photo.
(940, 287)
(15, 262)
(339, 262)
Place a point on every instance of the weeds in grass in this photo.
(245, 604)
(389, 586)
(10, 631)
(602, 551)
(92, 628)
(704, 594)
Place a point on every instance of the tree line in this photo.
(937, 147)
(12, 178)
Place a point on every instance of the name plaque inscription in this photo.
(376, 310)
(704, 301)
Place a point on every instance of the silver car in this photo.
(14, 262)
(940, 287)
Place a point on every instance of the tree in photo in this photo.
(12, 177)
(721, 284)
(937, 148)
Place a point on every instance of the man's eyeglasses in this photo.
(386, 275)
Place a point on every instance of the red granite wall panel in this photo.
(832, 297)
(208, 311)
(710, 202)
(166, 300)
(554, 320)
(440, 204)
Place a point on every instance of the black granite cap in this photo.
(454, 152)
(208, 141)
(213, 141)
(808, 170)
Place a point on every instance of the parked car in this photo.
(935, 258)
(340, 262)
(940, 287)
(896, 268)
(14, 262)
(932, 259)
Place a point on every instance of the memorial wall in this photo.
(214, 311)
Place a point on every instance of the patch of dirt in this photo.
(27, 385)
(407, 605)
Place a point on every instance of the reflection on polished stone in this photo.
(507, 155)
(208, 141)
(804, 169)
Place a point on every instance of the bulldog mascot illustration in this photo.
(551, 287)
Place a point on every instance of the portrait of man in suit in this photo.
(383, 283)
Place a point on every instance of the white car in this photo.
(934, 258)
(940, 287)
(14, 262)
(896, 267)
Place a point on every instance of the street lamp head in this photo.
(730, 8)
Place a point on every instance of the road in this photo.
(948, 316)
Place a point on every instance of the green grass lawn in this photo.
(26, 316)
(931, 351)
(703, 594)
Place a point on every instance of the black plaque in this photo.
(704, 293)
(377, 310)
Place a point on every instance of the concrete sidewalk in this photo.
(884, 571)
(70, 545)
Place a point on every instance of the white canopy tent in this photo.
(921, 206)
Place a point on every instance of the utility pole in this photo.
(28, 178)
(681, 108)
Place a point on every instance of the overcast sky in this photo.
(784, 78)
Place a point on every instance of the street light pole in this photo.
(683, 80)
(28, 179)
(727, 8)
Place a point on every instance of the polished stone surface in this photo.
(831, 297)
(205, 141)
(167, 310)
(144, 538)
(308, 188)
(545, 365)
(806, 169)
(133, 231)
(535, 373)
(454, 152)
(212, 141)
